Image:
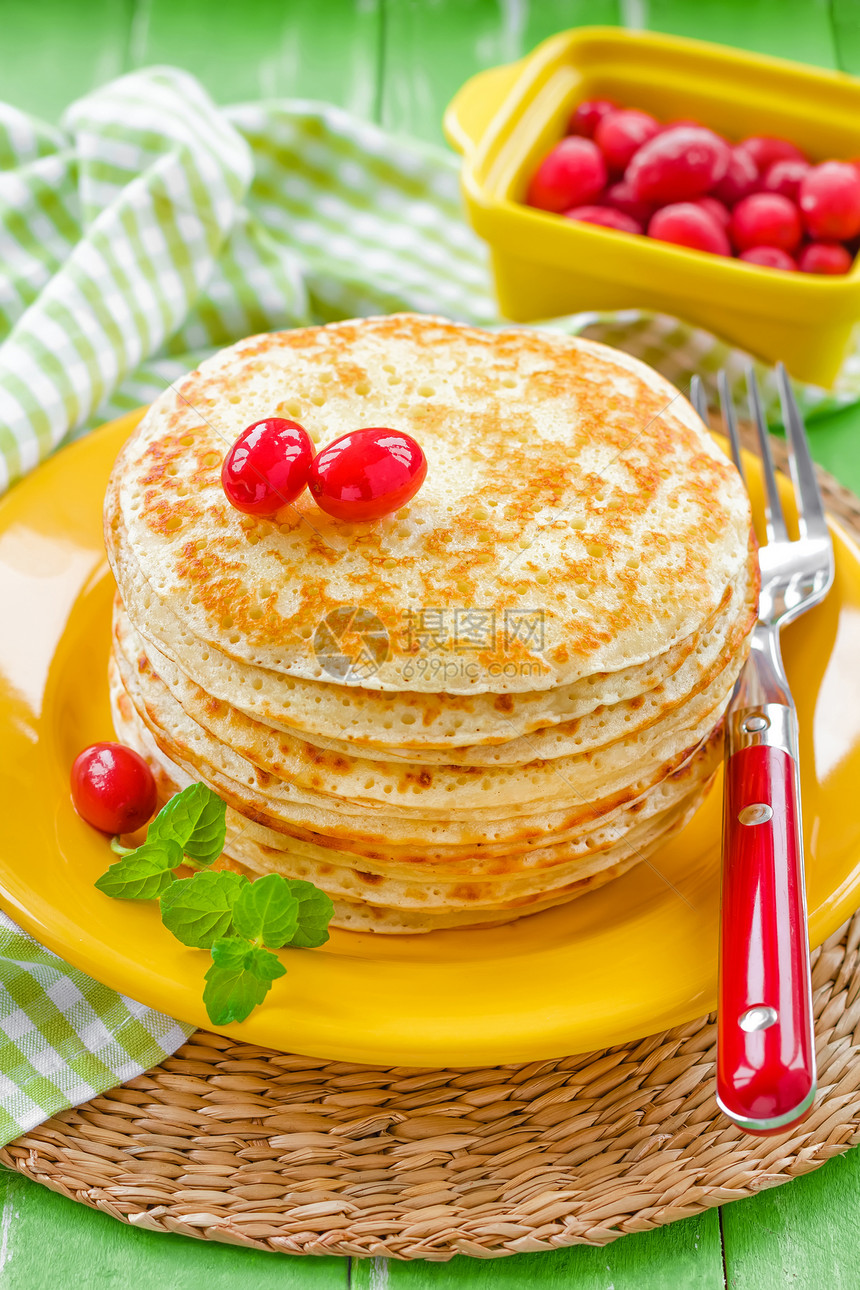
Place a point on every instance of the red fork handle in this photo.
(765, 1047)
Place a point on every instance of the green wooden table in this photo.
(398, 62)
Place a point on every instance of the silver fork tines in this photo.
(774, 517)
(728, 411)
(795, 574)
(697, 398)
(810, 511)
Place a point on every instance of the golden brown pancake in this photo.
(565, 480)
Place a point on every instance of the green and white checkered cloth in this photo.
(148, 230)
(64, 1037)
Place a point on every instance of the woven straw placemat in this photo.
(234, 1143)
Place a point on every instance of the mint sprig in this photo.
(199, 910)
(240, 922)
(197, 819)
(189, 830)
(240, 977)
(266, 912)
(314, 914)
(144, 873)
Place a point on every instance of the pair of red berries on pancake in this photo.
(363, 475)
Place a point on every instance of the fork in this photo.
(765, 1042)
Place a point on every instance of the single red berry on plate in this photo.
(621, 133)
(113, 788)
(765, 149)
(766, 219)
(741, 178)
(267, 467)
(572, 173)
(784, 177)
(678, 165)
(686, 224)
(824, 257)
(606, 216)
(715, 208)
(770, 257)
(622, 198)
(586, 117)
(830, 201)
(367, 474)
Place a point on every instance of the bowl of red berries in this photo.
(613, 169)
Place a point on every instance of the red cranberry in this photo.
(621, 133)
(587, 116)
(715, 208)
(830, 201)
(770, 257)
(267, 467)
(574, 172)
(678, 165)
(686, 224)
(113, 788)
(824, 257)
(606, 216)
(766, 149)
(784, 178)
(766, 219)
(740, 179)
(622, 197)
(367, 474)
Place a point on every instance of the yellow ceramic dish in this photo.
(630, 959)
(505, 120)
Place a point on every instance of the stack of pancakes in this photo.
(490, 702)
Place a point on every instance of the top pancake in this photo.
(576, 517)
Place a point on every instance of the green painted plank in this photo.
(268, 48)
(431, 48)
(799, 29)
(54, 51)
(50, 1243)
(802, 1234)
(835, 443)
(845, 17)
(683, 1256)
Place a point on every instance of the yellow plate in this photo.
(625, 961)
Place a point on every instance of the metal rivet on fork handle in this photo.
(761, 1017)
(757, 813)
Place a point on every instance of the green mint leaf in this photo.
(232, 952)
(199, 910)
(231, 994)
(195, 818)
(240, 977)
(266, 911)
(315, 913)
(144, 873)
